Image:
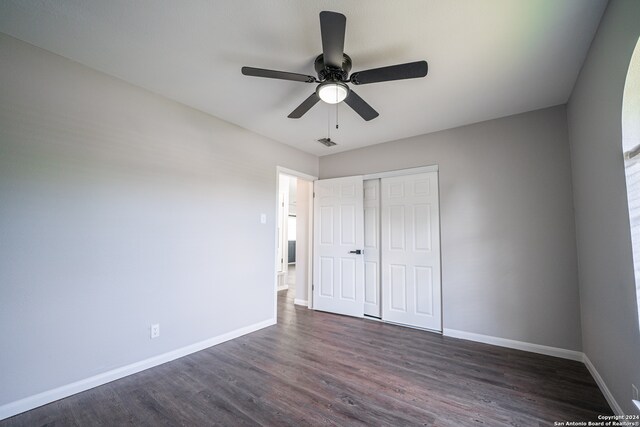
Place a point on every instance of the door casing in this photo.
(306, 177)
(402, 172)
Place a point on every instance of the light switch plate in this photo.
(263, 218)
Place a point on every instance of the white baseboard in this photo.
(603, 387)
(543, 349)
(519, 345)
(31, 402)
(301, 302)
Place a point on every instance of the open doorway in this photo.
(294, 237)
(287, 235)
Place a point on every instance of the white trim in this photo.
(309, 178)
(519, 345)
(337, 179)
(401, 172)
(298, 301)
(310, 248)
(603, 387)
(419, 328)
(542, 349)
(283, 287)
(295, 173)
(275, 271)
(31, 402)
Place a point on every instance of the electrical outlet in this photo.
(634, 391)
(155, 330)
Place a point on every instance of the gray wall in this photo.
(610, 331)
(118, 209)
(508, 237)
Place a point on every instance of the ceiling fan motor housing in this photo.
(332, 73)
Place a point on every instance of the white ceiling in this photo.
(487, 59)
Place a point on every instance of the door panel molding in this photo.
(338, 234)
(410, 255)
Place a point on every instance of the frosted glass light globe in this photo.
(333, 92)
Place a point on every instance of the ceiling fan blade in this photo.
(332, 28)
(282, 75)
(305, 106)
(410, 70)
(360, 106)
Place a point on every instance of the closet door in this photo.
(338, 269)
(372, 247)
(410, 255)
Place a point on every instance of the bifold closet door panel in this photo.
(338, 267)
(410, 251)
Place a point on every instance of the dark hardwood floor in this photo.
(315, 368)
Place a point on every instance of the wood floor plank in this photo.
(315, 368)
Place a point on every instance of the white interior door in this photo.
(410, 254)
(372, 247)
(338, 273)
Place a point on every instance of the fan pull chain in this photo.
(329, 123)
(337, 107)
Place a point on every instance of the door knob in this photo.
(357, 252)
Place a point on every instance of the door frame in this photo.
(306, 177)
(412, 171)
(401, 172)
(311, 178)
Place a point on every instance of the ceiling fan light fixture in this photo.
(332, 92)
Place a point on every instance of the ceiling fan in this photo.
(333, 66)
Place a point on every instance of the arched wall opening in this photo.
(631, 148)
